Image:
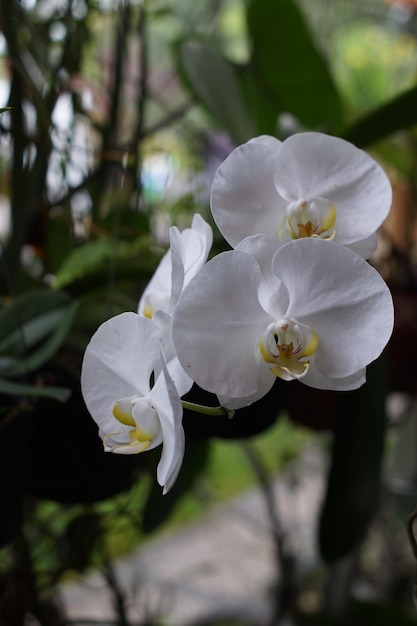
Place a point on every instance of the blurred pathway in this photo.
(222, 564)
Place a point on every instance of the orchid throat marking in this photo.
(313, 218)
(287, 345)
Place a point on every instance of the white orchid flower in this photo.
(130, 393)
(310, 185)
(319, 313)
(188, 252)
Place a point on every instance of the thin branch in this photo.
(118, 595)
(287, 588)
(109, 139)
(170, 119)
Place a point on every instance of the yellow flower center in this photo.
(307, 230)
(285, 351)
(287, 345)
(315, 218)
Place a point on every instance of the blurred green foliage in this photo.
(114, 116)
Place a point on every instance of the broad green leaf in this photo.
(215, 82)
(7, 387)
(31, 332)
(25, 307)
(287, 66)
(32, 329)
(263, 109)
(45, 350)
(353, 484)
(397, 114)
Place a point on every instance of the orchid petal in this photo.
(314, 378)
(205, 234)
(272, 294)
(182, 381)
(339, 295)
(118, 363)
(157, 293)
(168, 406)
(188, 251)
(244, 200)
(177, 241)
(217, 325)
(313, 165)
(365, 247)
(266, 381)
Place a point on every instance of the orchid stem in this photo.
(207, 410)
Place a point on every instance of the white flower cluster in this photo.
(295, 298)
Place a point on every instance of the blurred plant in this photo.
(97, 92)
(373, 62)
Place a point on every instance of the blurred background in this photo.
(114, 117)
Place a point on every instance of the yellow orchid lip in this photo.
(123, 416)
(287, 345)
(135, 446)
(140, 438)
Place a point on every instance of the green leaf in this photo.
(25, 307)
(31, 332)
(92, 259)
(83, 261)
(398, 114)
(263, 109)
(286, 65)
(353, 485)
(215, 82)
(53, 342)
(61, 394)
(32, 329)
